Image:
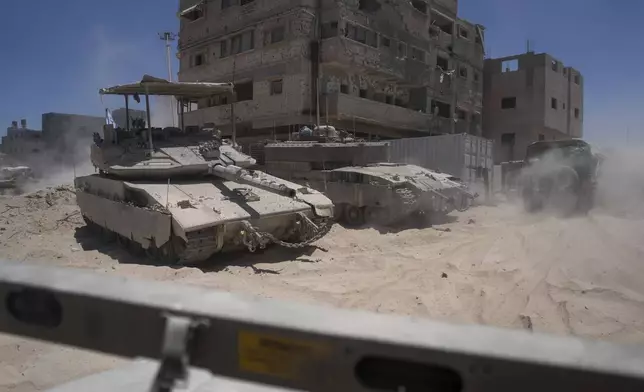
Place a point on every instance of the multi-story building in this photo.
(527, 98)
(388, 68)
(22, 141)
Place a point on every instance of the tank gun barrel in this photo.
(238, 174)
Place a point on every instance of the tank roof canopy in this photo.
(157, 86)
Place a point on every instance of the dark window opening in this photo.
(400, 102)
(442, 63)
(462, 71)
(363, 93)
(463, 33)
(362, 35)
(402, 49)
(553, 103)
(476, 76)
(461, 114)
(344, 88)
(478, 40)
(507, 138)
(564, 105)
(244, 2)
(576, 112)
(372, 38)
(242, 42)
(226, 3)
(368, 5)
(577, 79)
(418, 54)
(384, 41)
(555, 66)
(444, 24)
(510, 65)
(434, 31)
(329, 30)
(276, 87)
(277, 34)
(565, 71)
(223, 49)
(389, 99)
(244, 91)
(509, 103)
(194, 14)
(441, 109)
(420, 6)
(200, 59)
(541, 137)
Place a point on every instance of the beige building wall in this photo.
(527, 98)
(377, 68)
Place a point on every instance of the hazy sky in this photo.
(56, 59)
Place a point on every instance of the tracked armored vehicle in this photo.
(356, 175)
(183, 195)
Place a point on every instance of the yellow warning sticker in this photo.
(278, 356)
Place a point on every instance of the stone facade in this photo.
(388, 68)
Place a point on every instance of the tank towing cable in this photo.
(253, 238)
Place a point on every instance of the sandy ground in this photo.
(495, 265)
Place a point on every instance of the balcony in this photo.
(448, 6)
(346, 107)
(343, 52)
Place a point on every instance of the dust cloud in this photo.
(620, 182)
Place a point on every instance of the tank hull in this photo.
(190, 221)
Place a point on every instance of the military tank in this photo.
(183, 195)
(357, 175)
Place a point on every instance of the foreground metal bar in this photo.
(303, 347)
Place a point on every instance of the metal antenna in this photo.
(168, 37)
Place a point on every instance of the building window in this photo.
(418, 54)
(244, 91)
(509, 103)
(553, 103)
(463, 33)
(541, 137)
(226, 3)
(223, 49)
(344, 88)
(199, 59)
(442, 62)
(462, 71)
(193, 13)
(402, 49)
(363, 93)
(577, 81)
(368, 5)
(555, 65)
(389, 99)
(385, 41)
(419, 5)
(577, 113)
(277, 35)
(330, 30)
(242, 42)
(244, 2)
(441, 109)
(362, 35)
(461, 114)
(476, 76)
(276, 87)
(444, 24)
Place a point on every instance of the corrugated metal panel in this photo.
(459, 155)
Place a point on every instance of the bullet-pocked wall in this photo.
(401, 67)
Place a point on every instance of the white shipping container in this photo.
(459, 155)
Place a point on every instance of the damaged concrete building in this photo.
(527, 98)
(393, 68)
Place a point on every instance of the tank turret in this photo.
(186, 194)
